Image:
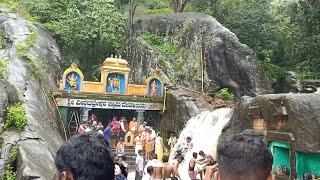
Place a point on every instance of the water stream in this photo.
(204, 129)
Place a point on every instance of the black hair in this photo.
(87, 157)
(140, 151)
(154, 156)
(188, 138)
(180, 157)
(123, 169)
(201, 153)
(123, 157)
(244, 157)
(150, 169)
(195, 155)
(165, 158)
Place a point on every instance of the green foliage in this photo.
(256, 23)
(1, 143)
(13, 155)
(273, 71)
(162, 62)
(178, 64)
(159, 44)
(157, 4)
(87, 29)
(36, 66)
(23, 47)
(224, 94)
(158, 11)
(18, 7)
(2, 38)
(9, 174)
(304, 76)
(15, 117)
(305, 18)
(9, 4)
(3, 71)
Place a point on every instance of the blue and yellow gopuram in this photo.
(114, 80)
(76, 98)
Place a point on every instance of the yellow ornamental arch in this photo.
(154, 89)
(70, 81)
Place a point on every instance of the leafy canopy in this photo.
(87, 29)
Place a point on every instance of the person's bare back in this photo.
(167, 170)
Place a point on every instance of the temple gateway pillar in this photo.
(85, 115)
(140, 116)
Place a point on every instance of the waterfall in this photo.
(204, 129)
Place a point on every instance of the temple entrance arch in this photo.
(77, 99)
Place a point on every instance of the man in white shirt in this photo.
(139, 165)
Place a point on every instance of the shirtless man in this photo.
(192, 163)
(207, 163)
(207, 159)
(167, 168)
(176, 163)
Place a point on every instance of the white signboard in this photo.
(108, 104)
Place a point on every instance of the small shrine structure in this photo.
(276, 122)
(75, 97)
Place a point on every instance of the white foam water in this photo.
(204, 129)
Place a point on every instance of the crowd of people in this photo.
(87, 157)
(165, 169)
(237, 157)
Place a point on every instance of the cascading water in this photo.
(204, 130)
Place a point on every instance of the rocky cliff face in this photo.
(225, 61)
(301, 117)
(32, 65)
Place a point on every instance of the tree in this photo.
(179, 5)
(88, 29)
(305, 18)
(251, 20)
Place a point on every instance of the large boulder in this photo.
(183, 104)
(32, 68)
(302, 117)
(225, 61)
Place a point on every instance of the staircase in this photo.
(131, 157)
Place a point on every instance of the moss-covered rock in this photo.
(225, 63)
(31, 59)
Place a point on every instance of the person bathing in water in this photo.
(192, 163)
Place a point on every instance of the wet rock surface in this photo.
(38, 142)
(302, 117)
(183, 104)
(226, 62)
